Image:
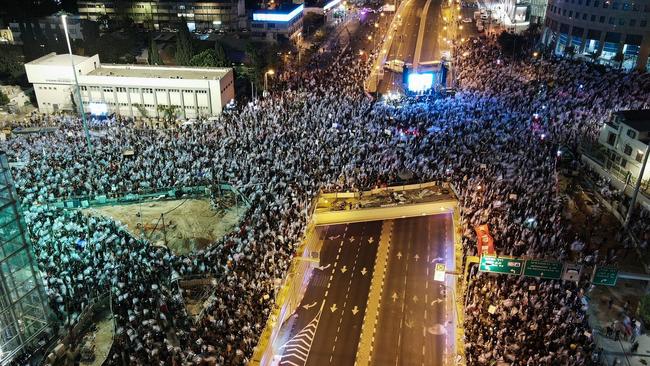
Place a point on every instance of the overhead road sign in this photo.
(605, 276)
(511, 266)
(543, 269)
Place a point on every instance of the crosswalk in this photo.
(296, 350)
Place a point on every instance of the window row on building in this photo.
(611, 20)
(607, 4)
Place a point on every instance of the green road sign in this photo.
(501, 265)
(605, 276)
(543, 269)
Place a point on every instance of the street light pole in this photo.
(266, 79)
(80, 104)
(636, 188)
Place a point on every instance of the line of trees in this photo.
(187, 53)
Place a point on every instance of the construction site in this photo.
(182, 225)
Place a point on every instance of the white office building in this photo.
(129, 90)
(282, 23)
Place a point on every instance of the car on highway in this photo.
(479, 27)
(395, 65)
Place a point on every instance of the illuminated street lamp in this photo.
(80, 104)
(266, 78)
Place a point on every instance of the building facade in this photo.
(47, 26)
(613, 32)
(625, 139)
(278, 24)
(161, 14)
(130, 90)
(23, 305)
(538, 11)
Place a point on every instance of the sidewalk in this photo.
(600, 315)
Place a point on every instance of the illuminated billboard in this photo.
(331, 4)
(419, 82)
(270, 16)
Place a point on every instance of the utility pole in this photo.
(636, 188)
(80, 104)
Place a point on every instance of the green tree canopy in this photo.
(10, 62)
(154, 56)
(207, 58)
(184, 49)
(220, 55)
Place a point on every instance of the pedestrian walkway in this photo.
(607, 308)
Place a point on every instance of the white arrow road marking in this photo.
(436, 301)
(417, 257)
(351, 239)
(355, 310)
(399, 255)
(364, 271)
(394, 297)
(322, 268)
(333, 308)
(296, 350)
(344, 269)
(334, 237)
(415, 298)
(371, 240)
(307, 307)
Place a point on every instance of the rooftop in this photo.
(282, 13)
(638, 119)
(165, 72)
(52, 59)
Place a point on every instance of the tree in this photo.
(154, 56)
(511, 43)
(90, 33)
(10, 63)
(220, 55)
(207, 58)
(184, 51)
(4, 99)
(255, 56)
(168, 112)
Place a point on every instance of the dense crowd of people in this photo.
(496, 141)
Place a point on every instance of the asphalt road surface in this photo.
(327, 324)
(432, 43)
(405, 38)
(411, 324)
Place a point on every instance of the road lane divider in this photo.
(373, 303)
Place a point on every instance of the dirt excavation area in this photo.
(184, 225)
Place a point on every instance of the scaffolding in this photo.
(23, 310)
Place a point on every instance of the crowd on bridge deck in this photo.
(496, 141)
